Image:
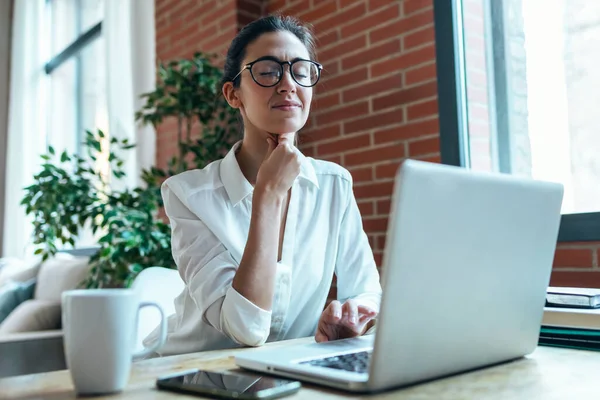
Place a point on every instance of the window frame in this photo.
(83, 40)
(452, 103)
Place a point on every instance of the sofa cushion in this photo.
(14, 293)
(18, 270)
(60, 273)
(32, 315)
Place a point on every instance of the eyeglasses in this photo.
(268, 71)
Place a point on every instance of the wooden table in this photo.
(548, 373)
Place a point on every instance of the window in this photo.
(76, 85)
(76, 69)
(518, 88)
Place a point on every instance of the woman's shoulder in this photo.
(195, 180)
(330, 169)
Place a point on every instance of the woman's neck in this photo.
(251, 154)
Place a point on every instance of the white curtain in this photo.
(129, 37)
(129, 32)
(26, 120)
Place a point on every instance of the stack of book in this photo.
(571, 318)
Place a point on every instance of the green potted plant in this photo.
(70, 192)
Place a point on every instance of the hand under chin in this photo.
(283, 136)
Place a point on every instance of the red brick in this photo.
(376, 4)
(327, 39)
(333, 158)
(346, 3)
(218, 41)
(318, 134)
(347, 79)
(367, 22)
(325, 102)
(418, 38)
(383, 207)
(209, 32)
(375, 224)
(422, 110)
(340, 145)
(402, 26)
(249, 7)
(343, 48)
(366, 208)
(386, 170)
(421, 73)
(194, 17)
(339, 18)
(378, 256)
(372, 87)
(295, 8)
(597, 263)
(323, 9)
(374, 121)
(227, 21)
(221, 8)
(435, 158)
(345, 112)
(362, 174)
(185, 33)
(373, 155)
(411, 6)
(403, 61)
(275, 5)
(405, 96)
(380, 242)
(371, 54)
(372, 241)
(308, 151)
(329, 69)
(425, 146)
(585, 279)
(573, 257)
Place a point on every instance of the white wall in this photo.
(5, 39)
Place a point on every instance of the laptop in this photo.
(466, 266)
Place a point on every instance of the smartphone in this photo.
(228, 385)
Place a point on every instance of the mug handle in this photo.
(163, 330)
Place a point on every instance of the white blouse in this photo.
(210, 212)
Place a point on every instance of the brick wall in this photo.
(376, 104)
(184, 27)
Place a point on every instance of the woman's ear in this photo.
(231, 95)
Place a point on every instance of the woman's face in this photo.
(284, 107)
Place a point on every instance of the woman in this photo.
(258, 235)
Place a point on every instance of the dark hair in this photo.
(252, 31)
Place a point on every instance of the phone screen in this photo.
(230, 384)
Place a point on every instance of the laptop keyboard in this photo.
(354, 362)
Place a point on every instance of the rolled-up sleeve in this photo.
(208, 269)
(356, 271)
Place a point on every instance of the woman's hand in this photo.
(280, 167)
(343, 321)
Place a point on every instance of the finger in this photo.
(351, 312)
(366, 310)
(364, 318)
(286, 138)
(333, 313)
(321, 337)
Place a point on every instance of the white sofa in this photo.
(42, 311)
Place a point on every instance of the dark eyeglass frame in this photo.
(281, 64)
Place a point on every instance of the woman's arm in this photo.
(255, 277)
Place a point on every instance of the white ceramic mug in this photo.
(100, 327)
